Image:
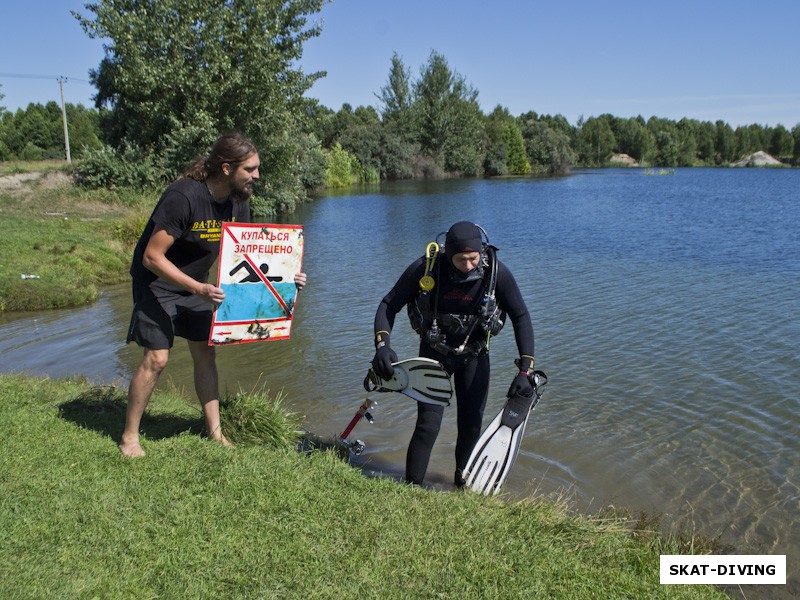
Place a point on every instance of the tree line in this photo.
(177, 73)
(433, 126)
(37, 132)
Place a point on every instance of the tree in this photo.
(173, 62)
(397, 147)
(557, 123)
(38, 131)
(330, 124)
(516, 159)
(796, 145)
(340, 171)
(34, 127)
(724, 143)
(312, 161)
(6, 120)
(84, 128)
(687, 143)
(495, 160)
(362, 138)
(749, 139)
(634, 139)
(780, 142)
(396, 98)
(319, 121)
(182, 71)
(505, 145)
(704, 134)
(666, 151)
(448, 120)
(397, 155)
(547, 145)
(598, 141)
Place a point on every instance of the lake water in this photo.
(667, 317)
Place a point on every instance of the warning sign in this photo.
(257, 265)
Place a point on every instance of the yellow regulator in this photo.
(426, 282)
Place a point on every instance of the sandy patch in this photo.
(48, 180)
(15, 181)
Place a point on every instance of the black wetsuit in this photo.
(470, 370)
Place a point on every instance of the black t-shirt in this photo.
(188, 212)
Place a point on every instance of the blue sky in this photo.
(702, 59)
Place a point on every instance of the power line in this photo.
(30, 76)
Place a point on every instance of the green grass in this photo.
(195, 520)
(73, 241)
(12, 167)
(256, 418)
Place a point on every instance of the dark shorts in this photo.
(158, 316)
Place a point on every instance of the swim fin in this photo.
(494, 454)
(422, 379)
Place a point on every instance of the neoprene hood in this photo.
(462, 237)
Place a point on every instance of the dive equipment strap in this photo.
(381, 338)
(523, 365)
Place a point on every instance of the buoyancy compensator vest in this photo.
(435, 327)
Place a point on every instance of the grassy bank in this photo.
(61, 244)
(194, 520)
(14, 167)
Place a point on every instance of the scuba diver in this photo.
(457, 298)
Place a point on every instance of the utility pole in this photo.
(61, 81)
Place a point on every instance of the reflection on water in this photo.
(666, 318)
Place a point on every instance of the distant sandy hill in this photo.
(759, 159)
(624, 160)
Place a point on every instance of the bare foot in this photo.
(224, 441)
(131, 449)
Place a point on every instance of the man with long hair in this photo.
(170, 269)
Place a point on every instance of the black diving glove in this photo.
(520, 386)
(382, 362)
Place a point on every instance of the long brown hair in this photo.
(231, 148)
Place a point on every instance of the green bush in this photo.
(369, 175)
(340, 167)
(31, 152)
(397, 156)
(311, 162)
(130, 228)
(107, 168)
(276, 196)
